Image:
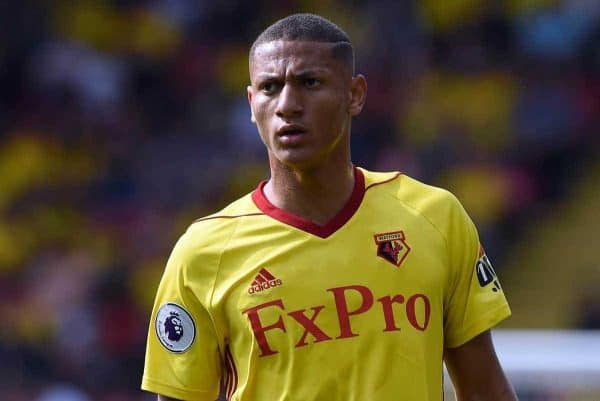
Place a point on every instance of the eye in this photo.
(268, 87)
(312, 83)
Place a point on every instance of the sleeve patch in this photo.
(175, 327)
(485, 272)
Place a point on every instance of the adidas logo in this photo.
(263, 281)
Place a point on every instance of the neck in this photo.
(315, 194)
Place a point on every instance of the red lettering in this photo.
(388, 311)
(309, 325)
(411, 312)
(342, 307)
(349, 301)
(259, 330)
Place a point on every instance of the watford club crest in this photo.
(392, 247)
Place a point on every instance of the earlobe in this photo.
(252, 118)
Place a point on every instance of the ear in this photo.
(249, 95)
(358, 94)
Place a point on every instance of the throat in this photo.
(315, 200)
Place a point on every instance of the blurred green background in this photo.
(123, 121)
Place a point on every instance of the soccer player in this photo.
(328, 282)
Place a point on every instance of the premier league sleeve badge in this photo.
(175, 327)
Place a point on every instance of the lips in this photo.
(291, 135)
(291, 130)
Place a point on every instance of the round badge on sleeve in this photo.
(175, 327)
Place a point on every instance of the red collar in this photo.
(325, 231)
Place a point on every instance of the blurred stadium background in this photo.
(122, 121)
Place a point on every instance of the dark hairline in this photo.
(307, 27)
(342, 51)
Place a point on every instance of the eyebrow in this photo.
(265, 76)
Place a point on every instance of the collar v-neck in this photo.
(351, 206)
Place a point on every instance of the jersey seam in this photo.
(374, 184)
(223, 216)
(411, 206)
(456, 274)
(441, 234)
(214, 285)
(429, 221)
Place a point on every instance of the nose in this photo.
(289, 103)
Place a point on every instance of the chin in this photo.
(297, 159)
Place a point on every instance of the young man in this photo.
(328, 282)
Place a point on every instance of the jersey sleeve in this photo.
(182, 352)
(475, 301)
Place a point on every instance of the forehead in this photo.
(279, 56)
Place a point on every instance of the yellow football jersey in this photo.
(264, 305)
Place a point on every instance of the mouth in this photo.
(291, 130)
(291, 134)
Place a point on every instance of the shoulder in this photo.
(409, 191)
(206, 238)
(228, 217)
(437, 205)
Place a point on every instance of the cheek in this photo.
(332, 113)
(262, 123)
(262, 111)
(259, 113)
